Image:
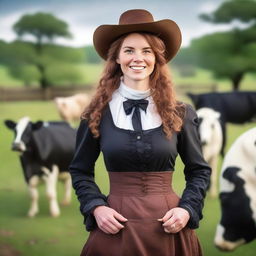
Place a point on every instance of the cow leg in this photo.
(214, 176)
(224, 245)
(33, 192)
(66, 178)
(51, 191)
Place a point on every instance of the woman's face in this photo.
(136, 59)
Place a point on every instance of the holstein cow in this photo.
(71, 108)
(46, 151)
(211, 139)
(234, 107)
(238, 194)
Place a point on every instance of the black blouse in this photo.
(148, 150)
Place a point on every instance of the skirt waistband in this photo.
(140, 183)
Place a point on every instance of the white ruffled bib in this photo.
(149, 120)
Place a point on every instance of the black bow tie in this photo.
(137, 104)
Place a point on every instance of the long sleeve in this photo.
(82, 174)
(197, 171)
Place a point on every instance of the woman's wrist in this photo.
(97, 208)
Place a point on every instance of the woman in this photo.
(135, 120)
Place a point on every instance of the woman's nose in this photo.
(138, 57)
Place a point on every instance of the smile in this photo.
(137, 67)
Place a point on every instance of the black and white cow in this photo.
(46, 149)
(238, 194)
(234, 107)
(210, 133)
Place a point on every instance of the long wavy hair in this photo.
(170, 110)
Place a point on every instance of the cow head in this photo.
(208, 120)
(210, 132)
(23, 132)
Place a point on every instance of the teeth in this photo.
(137, 68)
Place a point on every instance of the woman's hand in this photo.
(108, 219)
(175, 220)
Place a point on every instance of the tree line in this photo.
(42, 60)
(229, 54)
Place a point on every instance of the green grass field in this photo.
(65, 235)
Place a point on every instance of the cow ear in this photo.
(10, 124)
(37, 125)
(217, 115)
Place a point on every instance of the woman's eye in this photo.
(128, 51)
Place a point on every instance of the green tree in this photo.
(242, 10)
(223, 55)
(230, 54)
(44, 28)
(22, 60)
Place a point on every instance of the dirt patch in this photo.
(32, 241)
(6, 233)
(8, 250)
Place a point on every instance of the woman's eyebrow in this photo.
(130, 47)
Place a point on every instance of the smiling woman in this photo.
(140, 127)
(137, 61)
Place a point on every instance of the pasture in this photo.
(65, 235)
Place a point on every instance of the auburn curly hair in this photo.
(170, 110)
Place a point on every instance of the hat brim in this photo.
(166, 29)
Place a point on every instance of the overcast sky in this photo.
(83, 16)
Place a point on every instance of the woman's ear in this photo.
(117, 61)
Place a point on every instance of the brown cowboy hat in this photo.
(138, 20)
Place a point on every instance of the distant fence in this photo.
(27, 93)
(196, 88)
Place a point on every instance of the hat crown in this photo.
(135, 16)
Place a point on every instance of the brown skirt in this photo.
(142, 198)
